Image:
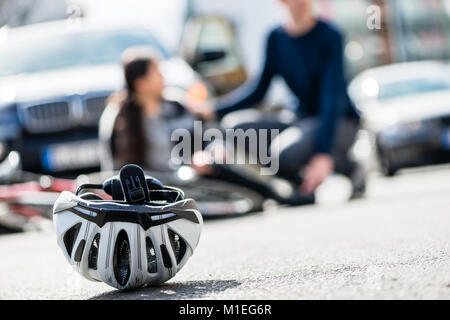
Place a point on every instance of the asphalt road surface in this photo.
(393, 244)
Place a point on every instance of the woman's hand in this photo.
(320, 166)
(204, 110)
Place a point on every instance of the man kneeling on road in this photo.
(307, 54)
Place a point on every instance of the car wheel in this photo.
(386, 165)
(387, 168)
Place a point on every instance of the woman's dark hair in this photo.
(131, 144)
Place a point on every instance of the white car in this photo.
(406, 108)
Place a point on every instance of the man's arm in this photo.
(253, 91)
(321, 164)
(331, 82)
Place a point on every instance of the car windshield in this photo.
(38, 54)
(411, 87)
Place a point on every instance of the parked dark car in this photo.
(54, 80)
(406, 108)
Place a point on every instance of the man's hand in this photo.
(320, 166)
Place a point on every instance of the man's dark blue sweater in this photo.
(312, 67)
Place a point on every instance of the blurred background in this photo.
(59, 61)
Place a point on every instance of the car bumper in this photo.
(415, 144)
(75, 152)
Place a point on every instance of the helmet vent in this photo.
(122, 257)
(178, 245)
(152, 264)
(93, 252)
(79, 251)
(70, 237)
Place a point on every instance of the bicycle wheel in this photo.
(217, 198)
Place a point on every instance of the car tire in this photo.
(386, 165)
(387, 168)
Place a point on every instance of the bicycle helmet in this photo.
(144, 235)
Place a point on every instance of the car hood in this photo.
(407, 109)
(80, 80)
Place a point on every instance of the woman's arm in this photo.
(253, 91)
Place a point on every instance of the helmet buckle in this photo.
(134, 184)
(135, 190)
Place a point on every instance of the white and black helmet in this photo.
(144, 235)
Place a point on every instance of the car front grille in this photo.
(93, 109)
(47, 117)
(59, 116)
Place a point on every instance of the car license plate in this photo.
(445, 138)
(71, 156)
